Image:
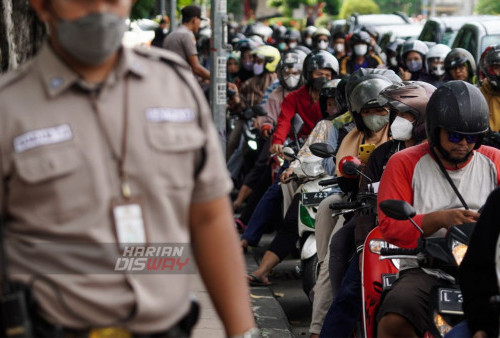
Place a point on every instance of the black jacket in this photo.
(477, 275)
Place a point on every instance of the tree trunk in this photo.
(21, 33)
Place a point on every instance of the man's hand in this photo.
(404, 75)
(434, 221)
(285, 175)
(277, 149)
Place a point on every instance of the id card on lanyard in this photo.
(126, 210)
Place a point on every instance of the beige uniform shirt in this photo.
(59, 176)
(181, 41)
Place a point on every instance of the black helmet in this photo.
(327, 92)
(319, 60)
(410, 97)
(456, 106)
(457, 57)
(491, 57)
(291, 59)
(340, 96)
(360, 37)
(363, 89)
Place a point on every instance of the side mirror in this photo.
(297, 124)
(397, 209)
(289, 154)
(350, 166)
(323, 150)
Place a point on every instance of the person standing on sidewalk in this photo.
(96, 152)
(183, 41)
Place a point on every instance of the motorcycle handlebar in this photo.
(329, 181)
(398, 251)
(345, 205)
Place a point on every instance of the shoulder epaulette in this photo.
(15, 75)
(160, 54)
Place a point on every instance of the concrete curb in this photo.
(270, 317)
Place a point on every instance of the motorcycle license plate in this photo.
(313, 198)
(450, 301)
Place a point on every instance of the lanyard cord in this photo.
(125, 188)
(448, 178)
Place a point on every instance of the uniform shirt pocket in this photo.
(53, 184)
(176, 149)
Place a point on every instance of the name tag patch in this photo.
(41, 137)
(170, 114)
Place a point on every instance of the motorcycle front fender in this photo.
(309, 248)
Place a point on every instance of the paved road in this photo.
(287, 289)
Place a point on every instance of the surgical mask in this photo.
(309, 41)
(338, 47)
(292, 45)
(93, 38)
(360, 50)
(414, 66)
(258, 68)
(393, 61)
(248, 65)
(375, 122)
(323, 45)
(292, 80)
(438, 70)
(319, 82)
(401, 129)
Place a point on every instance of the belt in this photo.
(181, 329)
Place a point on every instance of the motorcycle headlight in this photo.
(441, 325)
(252, 144)
(458, 250)
(312, 169)
(376, 245)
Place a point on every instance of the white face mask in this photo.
(292, 80)
(323, 45)
(258, 69)
(393, 61)
(360, 50)
(438, 70)
(309, 41)
(292, 45)
(401, 129)
(338, 47)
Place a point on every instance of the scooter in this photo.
(443, 253)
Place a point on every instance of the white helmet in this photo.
(439, 52)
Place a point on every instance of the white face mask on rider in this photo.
(401, 129)
(323, 45)
(292, 80)
(258, 68)
(338, 47)
(360, 49)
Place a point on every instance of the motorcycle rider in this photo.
(287, 236)
(446, 180)
(413, 56)
(409, 100)
(372, 126)
(318, 68)
(434, 61)
(360, 43)
(289, 74)
(459, 64)
(490, 87)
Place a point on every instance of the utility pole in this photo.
(173, 15)
(218, 59)
(163, 8)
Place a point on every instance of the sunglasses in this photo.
(457, 137)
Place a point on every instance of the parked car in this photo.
(356, 21)
(475, 36)
(444, 29)
(389, 33)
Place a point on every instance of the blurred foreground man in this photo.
(99, 165)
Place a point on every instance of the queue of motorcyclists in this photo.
(426, 111)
